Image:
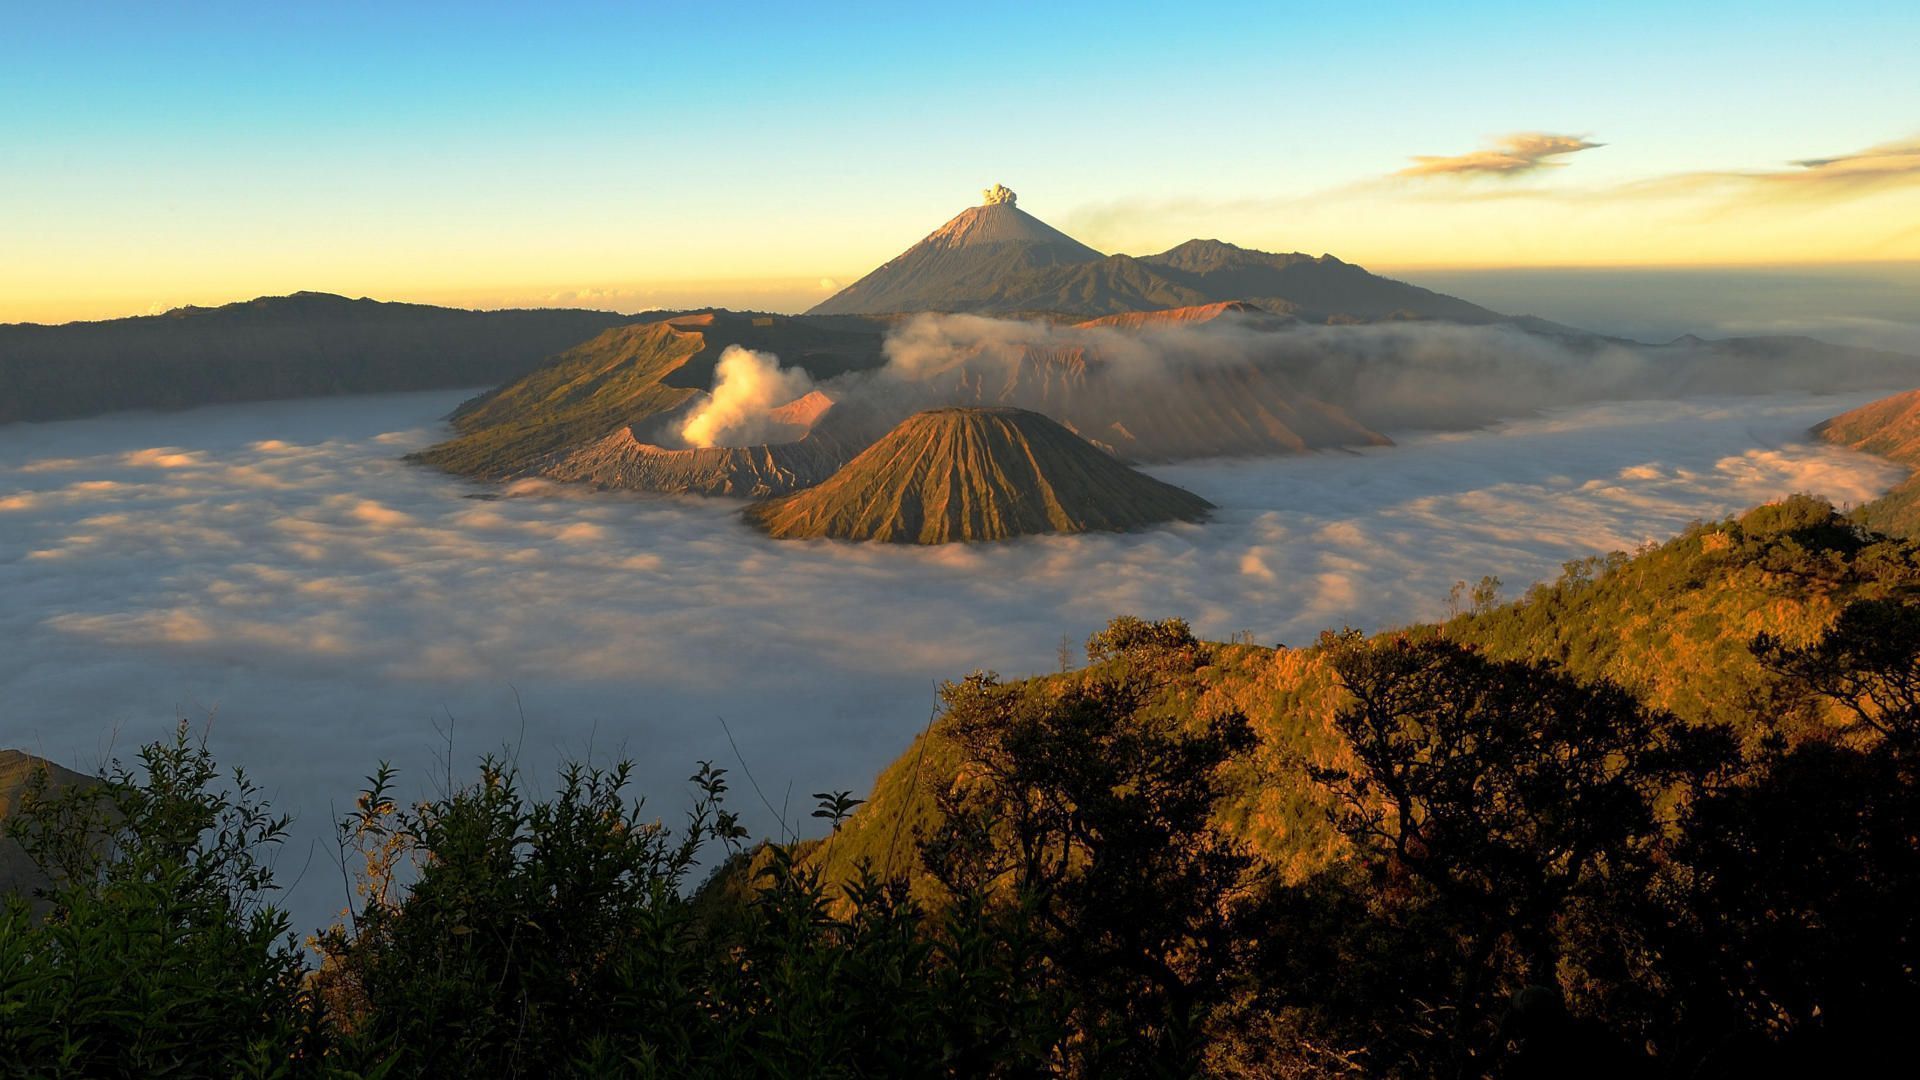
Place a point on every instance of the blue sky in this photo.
(494, 151)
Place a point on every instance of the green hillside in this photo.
(1671, 623)
(1890, 428)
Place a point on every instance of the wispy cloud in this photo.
(1510, 155)
(1901, 157)
(1841, 176)
(1876, 168)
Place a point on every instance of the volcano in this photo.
(967, 474)
(967, 257)
(997, 259)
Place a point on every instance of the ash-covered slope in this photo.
(1244, 314)
(976, 474)
(1315, 288)
(633, 377)
(829, 437)
(997, 259)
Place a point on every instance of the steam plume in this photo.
(747, 386)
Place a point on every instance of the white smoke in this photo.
(1256, 384)
(747, 387)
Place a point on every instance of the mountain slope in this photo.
(1241, 313)
(1890, 428)
(965, 258)
(975, 474)
(600, 413)
(624, 460)
(632, 375)
(304, 345)
(1317, 289)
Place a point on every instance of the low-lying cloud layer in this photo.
(1234, 385)
(278, 567)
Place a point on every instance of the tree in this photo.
(160, 952)
(1867, 664)
(1514, 794)
(1792, 945)
(506, 950)
(1085, 810)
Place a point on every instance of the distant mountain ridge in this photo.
(996, 259)
(307, 344)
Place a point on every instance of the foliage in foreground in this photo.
(1547, 877)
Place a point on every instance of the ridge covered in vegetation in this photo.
(1890, 428)
(1673, 624)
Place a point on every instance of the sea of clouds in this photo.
(276, 573)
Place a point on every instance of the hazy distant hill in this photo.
(997, 259)
(1779, 362)
(965, 474)
(304, 345)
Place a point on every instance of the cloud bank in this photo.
(1234, 385)
(278, 567)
